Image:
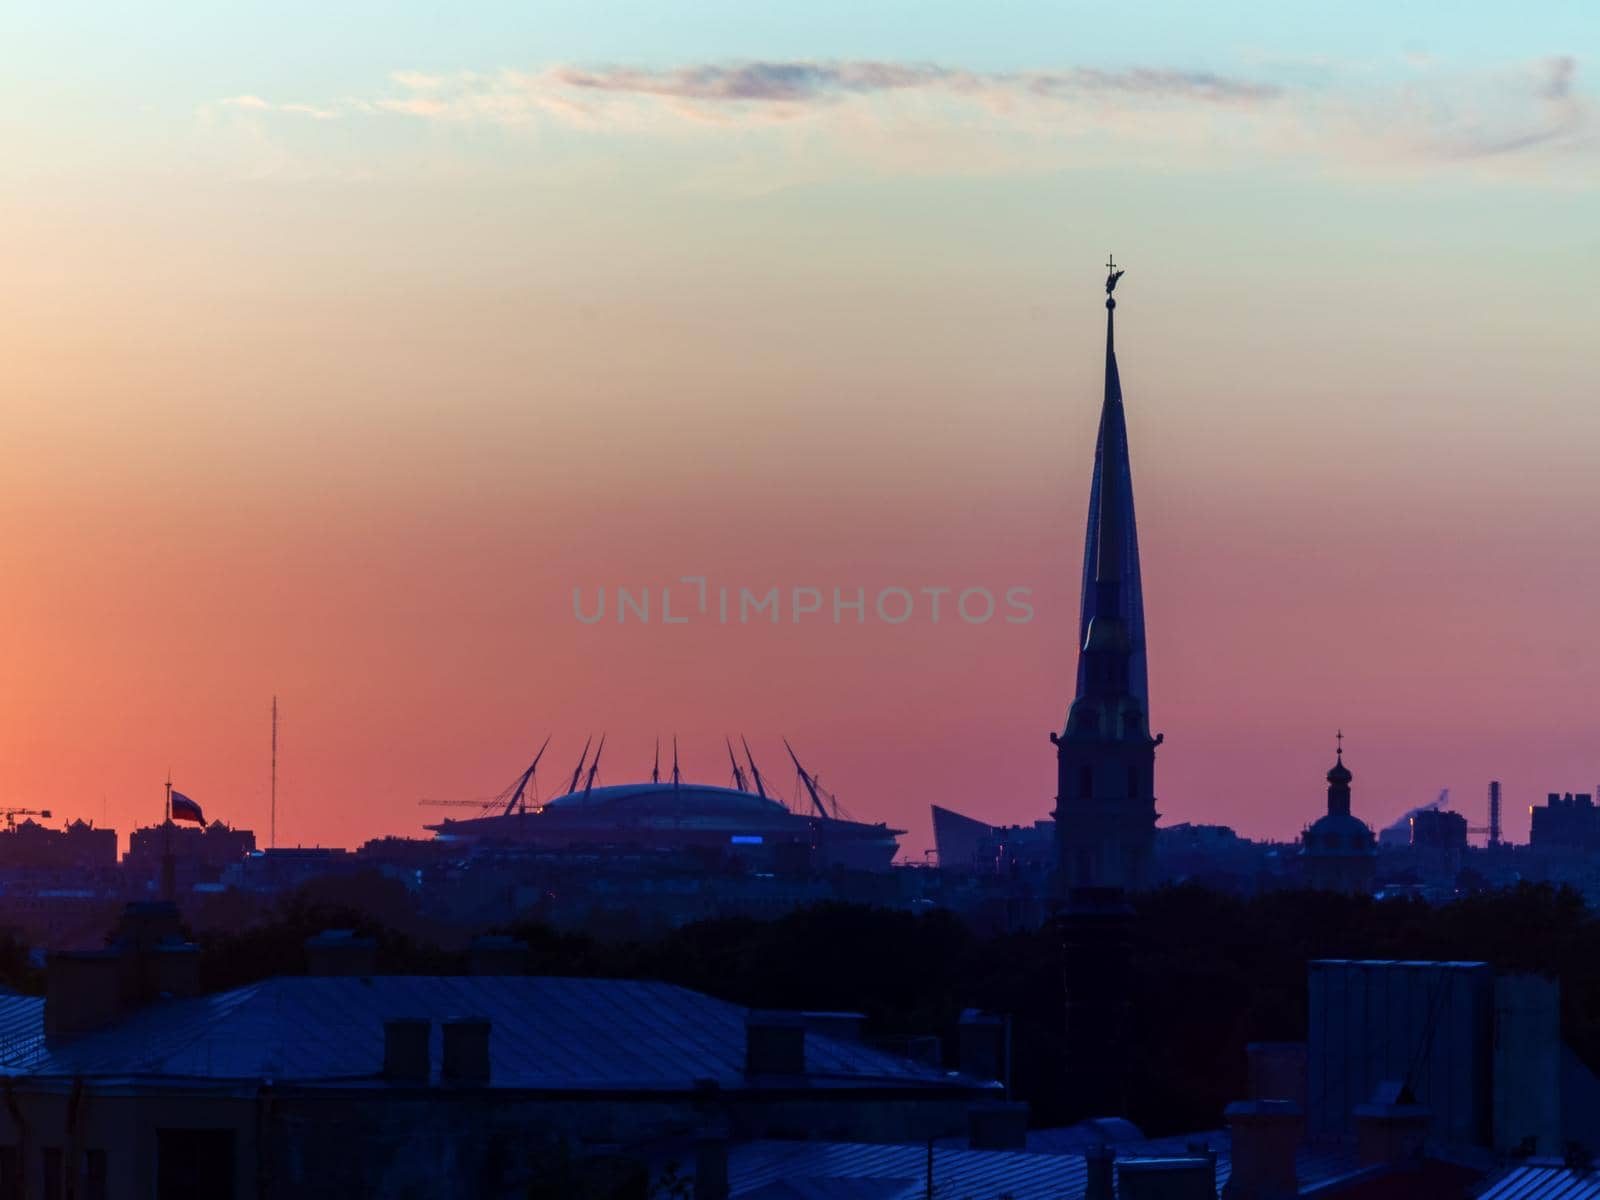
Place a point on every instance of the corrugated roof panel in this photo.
(545, 1033)
(1543, 1182)
(755, 1167)
(958, 1173)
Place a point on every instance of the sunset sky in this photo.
(340, 343)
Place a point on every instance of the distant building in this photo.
(1398, 831)
(1338, 852)
(966, 844)
(200, 854)
(717, 821)
(1435, 829)
(1565, 822)
(79, 846)
(286, 868)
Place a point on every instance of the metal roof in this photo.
(1037, 1173)
(1543, 1181)
(21, 1024)
(898, 1172)
(546, 1033)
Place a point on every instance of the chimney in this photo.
(1186, 1178)
(466, 1050)
(341, 952)
(774, 1043)
(83, 992)
(405, 1049)
(711, 1167)
(1100, 1162)
(495, 954)
(981, 1044)
(1390, 1128)
(1277, 1071)
(1265, 1135)
(997, 1125)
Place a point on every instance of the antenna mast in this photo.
(272, 839)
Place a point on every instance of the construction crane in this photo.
(512, 799)
(13, 813)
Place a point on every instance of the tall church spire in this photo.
(1111, 539)
(1105, 803)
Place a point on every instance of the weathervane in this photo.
(1112, 274)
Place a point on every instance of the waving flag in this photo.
(185, 809)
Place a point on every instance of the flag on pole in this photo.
(185, 809)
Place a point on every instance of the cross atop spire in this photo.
(1112, 275)
(1340, 741)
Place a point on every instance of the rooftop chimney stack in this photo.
(1100, 1162)
(1192, 1177)
(1265, 1135)
(466, 1050)
(775, 1043)
(1277, 1070)
(405, 1049)
(1391, 1127)
(981, 1040)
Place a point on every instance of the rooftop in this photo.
(546, 1033)
(775, 1170)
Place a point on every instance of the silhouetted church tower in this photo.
(1105, 798)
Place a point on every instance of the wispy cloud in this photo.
(257, 104)
(1414, 110)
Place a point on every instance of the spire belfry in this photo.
(1105, 802)
(1111, 576)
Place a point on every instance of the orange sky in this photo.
(348, 425)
